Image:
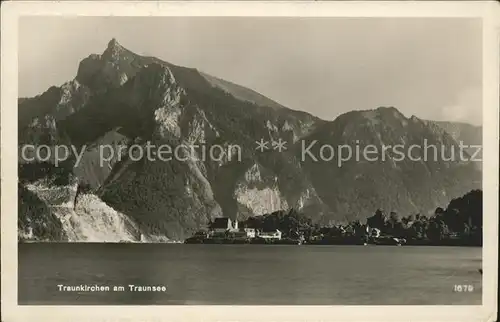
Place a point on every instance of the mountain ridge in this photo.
(122, 99)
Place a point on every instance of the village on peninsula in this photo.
(226, 231)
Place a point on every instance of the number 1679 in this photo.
(463, 288)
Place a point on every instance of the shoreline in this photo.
(250, 244)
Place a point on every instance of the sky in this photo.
(428, 67)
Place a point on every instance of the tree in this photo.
(437, 230)
(377, 220)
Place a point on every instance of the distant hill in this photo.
(469, 134)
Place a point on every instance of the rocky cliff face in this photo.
(50, 212)
(128, 102)
(91, 220)
(63, 216)
(255, 196)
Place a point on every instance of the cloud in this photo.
(466, 108)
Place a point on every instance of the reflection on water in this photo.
(249, 274)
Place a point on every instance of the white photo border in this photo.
(488, 11)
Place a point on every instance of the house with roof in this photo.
(223, 225)
(244, 233)
(249, 232)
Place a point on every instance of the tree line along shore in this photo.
(459, 224)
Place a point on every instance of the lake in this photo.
(249, 274)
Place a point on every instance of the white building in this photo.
(374, 232)
(250, 232)
(270, 234)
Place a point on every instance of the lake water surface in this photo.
(250, 274)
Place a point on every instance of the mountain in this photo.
(391, 181)
(126, 102)
(241, 93)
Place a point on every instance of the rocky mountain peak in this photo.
(384, 113)
(361, 122)
(114, 50)
(113, 43)
(110, 69)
